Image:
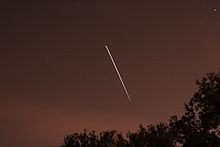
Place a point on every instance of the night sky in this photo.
(56, 76)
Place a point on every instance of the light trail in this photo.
(129, 98)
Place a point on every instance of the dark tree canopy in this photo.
(152, 136)
(197, 127)
(103, 139)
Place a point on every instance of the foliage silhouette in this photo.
(104, 139)
(152, 136)
(197, 127)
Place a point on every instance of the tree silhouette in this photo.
(197, 127)
(152, 136)
(103, 139)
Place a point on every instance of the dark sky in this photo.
(56, 76)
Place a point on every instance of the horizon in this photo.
(57, 78)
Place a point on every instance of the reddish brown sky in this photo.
(56, 76)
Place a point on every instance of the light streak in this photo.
(126, 91)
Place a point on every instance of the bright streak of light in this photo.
(118, 73)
